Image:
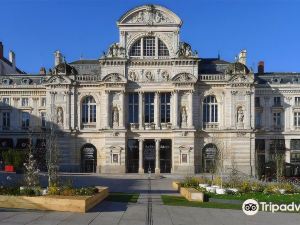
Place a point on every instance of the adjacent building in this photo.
(151, 103)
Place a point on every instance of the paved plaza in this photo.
(111, 213)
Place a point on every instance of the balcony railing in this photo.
(210, 126)
(149, 126)
(88, 126)
(134, 126)
(166, 126)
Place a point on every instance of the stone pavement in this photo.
(113, 213)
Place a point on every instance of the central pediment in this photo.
(150, 15)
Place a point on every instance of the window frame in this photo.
(89, 111)
(133, 107)
(149, 107)
(165, 107)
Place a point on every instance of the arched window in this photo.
(136, 49)
(162, 49)
(149, 46)
(210, 109)
(88, 110)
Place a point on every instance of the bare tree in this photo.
(52, 151)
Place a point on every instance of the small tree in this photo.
(31, 177)
(221, 156)
(52, 152)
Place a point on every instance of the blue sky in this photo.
(268, 29)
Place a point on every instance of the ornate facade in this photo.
(150, 103)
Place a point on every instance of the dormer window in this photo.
(6, 81)
(26, 81)
(149, 47)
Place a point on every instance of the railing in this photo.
(166, 126)
(88, 78)
(149, 126)
(88, 126)
(134, 126)
(213, 126)
(212, 77)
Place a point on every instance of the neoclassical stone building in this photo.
(150, 103)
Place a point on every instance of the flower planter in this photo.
(211, 189)
(192, 194)
(176, 185)
(232, 190)
(55, 202)
(220, 191)
(203, 185)
(9, 168)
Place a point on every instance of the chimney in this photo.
(261, 67)
(1, 50)
(12, 58)
(58, 58)
(242, 58)
(42, 71)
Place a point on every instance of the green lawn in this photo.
(122, 197)
(261, 197)
(181, 201)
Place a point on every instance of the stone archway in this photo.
(88, 158)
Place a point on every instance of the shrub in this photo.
(53, 190)
(245, 186)
(68, 192)
(257, 186)
(9, 190)
(271, 189)
(190, 182)
(86, 191)
(288, 187)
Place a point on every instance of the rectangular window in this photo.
(149, 108)
(297, 101)
(6, 120)
(165, 107)
(93, 113)
(43, 102)
(277, 101)
(277, 119)
(115, 158)
(184, 158)
(297, 119)
(258, 119)
(5, 100)
(149, 46)
(133, 104)
(25, 120)
(43, 119)
(257, 102)
(295, 158)
(24, 102)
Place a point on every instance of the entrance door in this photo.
(165, 156)
(88, 159)
(132, 156)
(149, 156)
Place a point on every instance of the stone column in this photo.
(249, 110)
(267, 114)
(157, 159)
(108, 111)
(287, 150)
(190, 111)
(141, 148)
(122, 110)
(267, 150)
(141, 108)
(156, 110)
(67, 112)
(175, 108)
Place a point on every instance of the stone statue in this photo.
(240, 115)
(116, 51)
(115, 116)
(185, 50)
(149, 76)
(60, 117)
(183, 116)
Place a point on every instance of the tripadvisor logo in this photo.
(251, 207)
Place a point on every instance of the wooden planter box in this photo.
(192, 194)
(176, 185)
(55, 202)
